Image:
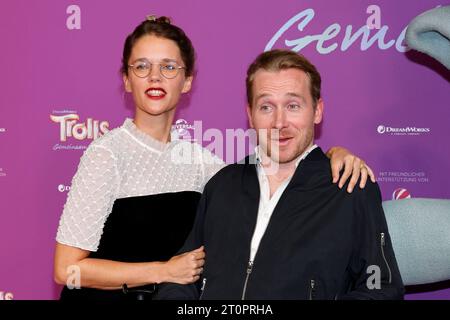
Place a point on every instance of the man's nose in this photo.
(280, 119)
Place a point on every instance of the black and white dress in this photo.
(133, 199)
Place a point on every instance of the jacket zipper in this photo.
(383, 243)
(312, 289)
(249, 271)
(202, 288)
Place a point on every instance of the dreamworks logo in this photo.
(63, 188)
(412, 131)
(381, 129)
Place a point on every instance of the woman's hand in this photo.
(185, 268)
(353, 165)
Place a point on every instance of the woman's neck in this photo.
(158, 127)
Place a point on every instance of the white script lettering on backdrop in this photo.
(368, 35)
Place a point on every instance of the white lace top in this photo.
(127, 162)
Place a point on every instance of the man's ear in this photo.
(318, 113)
(187, 84)
(249, 115)
(126, 83)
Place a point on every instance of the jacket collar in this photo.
(314, 161)
(258, 154)
(309, 172)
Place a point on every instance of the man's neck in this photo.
(276, 172)
(282, 170)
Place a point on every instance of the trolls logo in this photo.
(400, 194)
(68, 127)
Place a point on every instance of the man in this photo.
(275, 226)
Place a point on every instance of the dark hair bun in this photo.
(162, 19)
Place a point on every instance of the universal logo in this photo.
(63, 188)
(181, 129)
(2, 130)
(6, 295)
(411, 131)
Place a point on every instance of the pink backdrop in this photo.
(53, 66)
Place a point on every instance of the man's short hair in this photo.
(277, 60)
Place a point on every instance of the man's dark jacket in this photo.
(321, 242)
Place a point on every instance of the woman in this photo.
(131, 206)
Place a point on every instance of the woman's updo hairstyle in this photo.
(160, 27)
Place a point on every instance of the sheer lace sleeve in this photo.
(90, 199)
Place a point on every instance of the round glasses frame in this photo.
(168, 70)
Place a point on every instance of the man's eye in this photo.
(293, 106)
(265, 108)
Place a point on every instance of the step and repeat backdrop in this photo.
(61, 88)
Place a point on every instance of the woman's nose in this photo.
(155, 74)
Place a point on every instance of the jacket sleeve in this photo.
(174, 291)
(373, 265)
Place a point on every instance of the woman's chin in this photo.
(157, 110)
